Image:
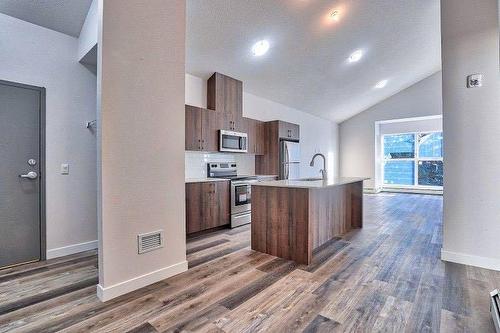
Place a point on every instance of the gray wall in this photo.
(471, 119)
(357, 134)
(41, 57)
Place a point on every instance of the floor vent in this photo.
(150, 241)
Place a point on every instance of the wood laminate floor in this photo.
(386, 277)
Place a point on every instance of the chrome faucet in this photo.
(322, 171)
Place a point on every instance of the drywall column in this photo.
(141, 134)
(471, 119)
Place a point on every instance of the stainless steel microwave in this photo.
(233, 141)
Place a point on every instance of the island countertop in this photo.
(298, 183)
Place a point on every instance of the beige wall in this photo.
(141, 84)
(471, 121)
(357, 134)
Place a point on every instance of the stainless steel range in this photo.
(241, 191)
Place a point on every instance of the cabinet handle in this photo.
(199, 144)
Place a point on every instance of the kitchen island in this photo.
(292, 218)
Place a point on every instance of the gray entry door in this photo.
(20, 182)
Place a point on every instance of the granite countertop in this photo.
(311, 183)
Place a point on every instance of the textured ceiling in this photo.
(66, 16)
(306, 66)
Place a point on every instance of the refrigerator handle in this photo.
(287, 170)
(287, 156)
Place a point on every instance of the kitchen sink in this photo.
(310, 179)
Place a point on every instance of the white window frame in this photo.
(415, 160)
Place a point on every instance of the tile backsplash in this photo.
(196, 162)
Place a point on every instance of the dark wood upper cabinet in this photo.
(193, 128)
(274, 131)
(255, 131)
(207, 205)
(201, 129)
(225, 95)
(289, 131)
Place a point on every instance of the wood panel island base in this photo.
(290, 219)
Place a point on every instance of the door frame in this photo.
(41, 150)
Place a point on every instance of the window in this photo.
(413, 159)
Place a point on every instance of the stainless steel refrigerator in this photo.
(289, 160)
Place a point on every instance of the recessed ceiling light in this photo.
(381, 84)
(260, 48)
(335, 15)
(355, 56)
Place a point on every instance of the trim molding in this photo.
(71, 249)
(471, 260)
(412, 190)
(371, 190)
(121, 288)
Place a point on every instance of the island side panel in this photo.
(357, 205)
(280, 223)
(334, 211)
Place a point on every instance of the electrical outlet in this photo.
(65, 169)
(474, 81)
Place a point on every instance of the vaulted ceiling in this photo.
(66, 16)
(306, 66)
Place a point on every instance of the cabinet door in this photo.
(250, 130)
(207, 205)
(289, 130)
(193, 128)
(210, 130)
(221, 197)
(194, 207)
(259, 138)
(255, 131)
(294, 131)
(233, 97)
(225, 95)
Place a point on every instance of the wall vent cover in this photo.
(150, 241)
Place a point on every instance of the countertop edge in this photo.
(312, 186)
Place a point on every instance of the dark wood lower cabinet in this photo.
(207, 205)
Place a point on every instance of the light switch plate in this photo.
(474, 81)
(64, 169)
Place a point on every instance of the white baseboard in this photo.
(471, 260)
(71, 249)
(121, 288)
(414, 191)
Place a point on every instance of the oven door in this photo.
(233, 141)
(241, 197)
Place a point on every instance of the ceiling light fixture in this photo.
(381, 84)
(335, 15)
(260, 48)
(355, 56)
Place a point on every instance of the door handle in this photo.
(30, 175)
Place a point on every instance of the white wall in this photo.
(357, 134)
(141, 141)
(316, 134)
(471, 119)
(37, 56)
(432, 124)
(88, 35)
